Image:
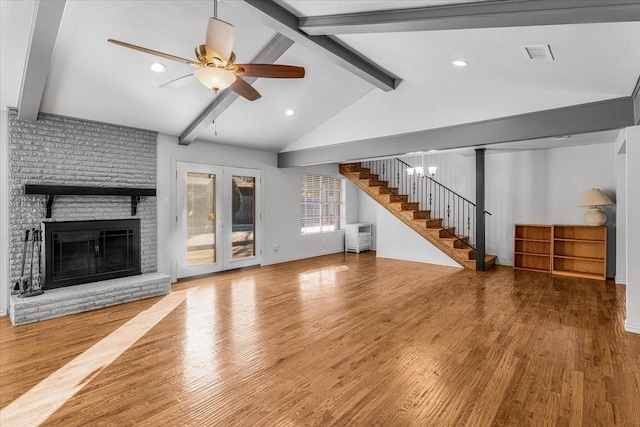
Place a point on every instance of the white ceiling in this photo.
(92, 79)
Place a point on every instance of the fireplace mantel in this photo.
(51, 191)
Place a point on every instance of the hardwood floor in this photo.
(345, 339)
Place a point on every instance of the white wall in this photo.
(352, 210)
(280, 200)
(632, 323)
(5, 286)
(396, 240)
(368, 213)
(515, 192)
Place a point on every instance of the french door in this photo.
(218, 218)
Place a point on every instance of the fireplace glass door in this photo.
(87, 251)
(73, 254)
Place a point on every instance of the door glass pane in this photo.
(201, 218)
(243, 219)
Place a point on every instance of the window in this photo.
(321, 209)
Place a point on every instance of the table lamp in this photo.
(594, 198)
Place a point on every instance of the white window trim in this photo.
(323, 229)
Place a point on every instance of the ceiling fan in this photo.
(216, 65)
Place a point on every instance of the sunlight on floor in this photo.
(320, 279)
(36, 405)
(325, 273)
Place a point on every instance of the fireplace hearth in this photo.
(77, 252)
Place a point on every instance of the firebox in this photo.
(78, 252)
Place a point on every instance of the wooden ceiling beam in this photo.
(584, 118)
(42, 40)
(636, 101)
(492, 14)
(284, 22)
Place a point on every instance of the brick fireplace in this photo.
(63, 151)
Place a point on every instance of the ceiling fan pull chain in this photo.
(215, 123)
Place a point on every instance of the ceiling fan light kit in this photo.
(215, 78)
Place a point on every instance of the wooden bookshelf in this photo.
(566, 250)
(532, 247)
(580, 251)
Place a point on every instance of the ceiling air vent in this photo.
(540, 52)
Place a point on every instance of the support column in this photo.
(480, 235)
(632, 323)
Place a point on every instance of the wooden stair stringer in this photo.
(398, 205)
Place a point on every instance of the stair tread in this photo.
(455, 237)
(487, 258)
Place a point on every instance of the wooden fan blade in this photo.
(155, 52)
(244, 89)
(179, 82)
(270, 70)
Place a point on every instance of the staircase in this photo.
(437, 229)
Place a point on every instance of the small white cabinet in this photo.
(357, 237)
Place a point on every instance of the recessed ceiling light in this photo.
(289, 112)
(158, 67)
(460, 63)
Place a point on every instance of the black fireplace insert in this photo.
(78, 252)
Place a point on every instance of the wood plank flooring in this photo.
(344, 339)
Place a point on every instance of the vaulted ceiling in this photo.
(372, 74)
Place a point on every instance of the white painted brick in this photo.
(90, 296)
(67, 151)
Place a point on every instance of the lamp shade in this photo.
(595, 197)
(215, 78)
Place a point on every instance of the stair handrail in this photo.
(441, 185)
(468, 207)
(444, 186)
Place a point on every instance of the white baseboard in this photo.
(620, 280)
(632, 328)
